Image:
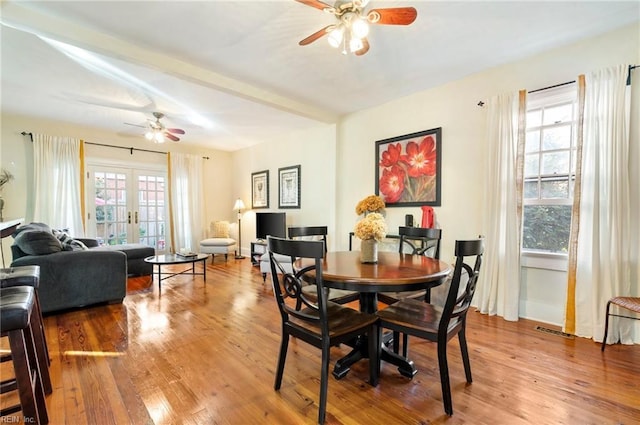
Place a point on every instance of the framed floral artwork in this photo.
(408, 169)
(289, 187)
(260, 189)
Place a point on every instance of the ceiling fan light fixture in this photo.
(158, 137)
(335, 36)
(148, 135)
(359, 28)
(355, 44)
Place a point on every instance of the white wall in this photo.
(338, 166)
(314, 150)
(453, 107)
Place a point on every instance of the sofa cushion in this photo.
(217, 242)
(221, 229)
(37, 242)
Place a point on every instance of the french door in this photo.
(125, 205)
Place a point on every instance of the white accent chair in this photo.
(222, 240)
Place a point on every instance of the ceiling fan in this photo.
(350, 33)
(157, 132)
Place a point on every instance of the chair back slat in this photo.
(303, 231)
(428, 240)
(287, 286)
(468, 262)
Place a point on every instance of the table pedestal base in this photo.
(360, 351)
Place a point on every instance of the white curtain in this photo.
(605, 238)
(186, 197)
(57, 190)
(498, 290)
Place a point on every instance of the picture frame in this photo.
(289, 179)
(408, 169)
(260, 189)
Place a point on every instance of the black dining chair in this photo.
(440, 324)
(320, 322)
(415, 241)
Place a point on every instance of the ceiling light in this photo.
(359, 28)
(335, 36)
(355, 44)
(159, 137)
(148, 135)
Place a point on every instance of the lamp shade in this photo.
(239, 205)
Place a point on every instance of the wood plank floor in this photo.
(206, 353)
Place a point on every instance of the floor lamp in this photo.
(239, 205)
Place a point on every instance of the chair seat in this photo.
(630, 303)
(413, 314)
(341, 320)
(223, 242)
(339, 296)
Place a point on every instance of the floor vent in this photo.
(554, 332)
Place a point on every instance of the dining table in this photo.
(393, 272)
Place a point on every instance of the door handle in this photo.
(135, 217)
(129, 217)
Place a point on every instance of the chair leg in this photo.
(374, 355)
(40, 356)
(264, 277)
(31, 396)
(444, 377)
(465, 353)
(225, 257)
(281, 359)
(606, 327)
(405, 345)
(324, 380)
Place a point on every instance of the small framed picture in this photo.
(289, 187)
(260, 189)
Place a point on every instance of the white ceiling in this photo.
(231, 73)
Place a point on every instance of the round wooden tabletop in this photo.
(394, 272)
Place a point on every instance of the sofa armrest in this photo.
(88, 242)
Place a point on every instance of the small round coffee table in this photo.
(167, 259)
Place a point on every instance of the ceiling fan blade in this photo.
(315, 3)
(175, 130)
(171, 136)
(392, 16)
(316, 35)
(136, 125)
(364, 49)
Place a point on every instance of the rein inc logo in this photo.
(17, 419)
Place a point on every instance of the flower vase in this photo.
(369, 251)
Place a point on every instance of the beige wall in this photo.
(16, 155)
(453, 107)
(315, 151)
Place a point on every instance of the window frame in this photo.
(544, 100)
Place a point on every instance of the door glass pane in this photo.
(151, 207)
(109, 203)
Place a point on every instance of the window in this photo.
(549, 171)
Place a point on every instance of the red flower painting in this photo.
(408, 169)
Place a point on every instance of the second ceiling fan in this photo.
(350, 33)
(156, 131)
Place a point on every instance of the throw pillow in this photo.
(221, 229)
(68, 243)
(31, 226)
(37, 242)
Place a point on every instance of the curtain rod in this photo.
(631, 68)
(24, 133)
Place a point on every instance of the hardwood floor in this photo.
(206, 354)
